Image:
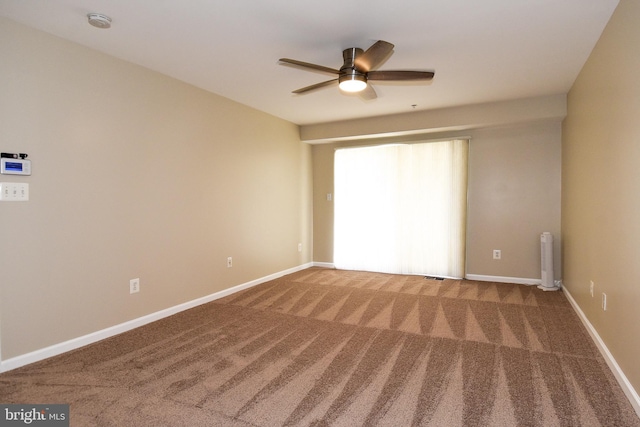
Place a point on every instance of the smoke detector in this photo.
(99, 20)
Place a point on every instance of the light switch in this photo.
(14, 191)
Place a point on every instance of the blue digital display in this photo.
(13, 166)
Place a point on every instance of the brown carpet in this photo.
(324, 347)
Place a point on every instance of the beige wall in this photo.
(514, 196)
(416, 124)
(134, 175)
(514, 192)
(601, 188)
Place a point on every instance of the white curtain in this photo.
(401, 208)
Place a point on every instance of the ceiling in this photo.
(484, 51)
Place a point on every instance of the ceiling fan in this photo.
(358, 68)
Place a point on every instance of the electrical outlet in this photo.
(604, 302)
(591, 285)
(229, 262)
(299, 247)
(134, 286)
(497, 254)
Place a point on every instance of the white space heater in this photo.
(546, 258)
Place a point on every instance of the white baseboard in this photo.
(324, 264)
(501, 279)
(477, 277)
(63, 347)
(622, 379)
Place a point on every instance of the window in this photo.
(401, 208)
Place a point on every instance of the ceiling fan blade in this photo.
(309, 65)
(400, 75)
(373, 56)
(368, 93)
(315, 86)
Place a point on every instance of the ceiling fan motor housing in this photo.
(349, 71)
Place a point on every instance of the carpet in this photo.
(324, 347)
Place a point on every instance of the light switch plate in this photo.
(14, 191)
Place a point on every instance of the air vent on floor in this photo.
(433, 278)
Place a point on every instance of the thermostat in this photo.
(15, 166)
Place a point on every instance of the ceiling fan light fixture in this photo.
(358, 68)
(353, 82)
